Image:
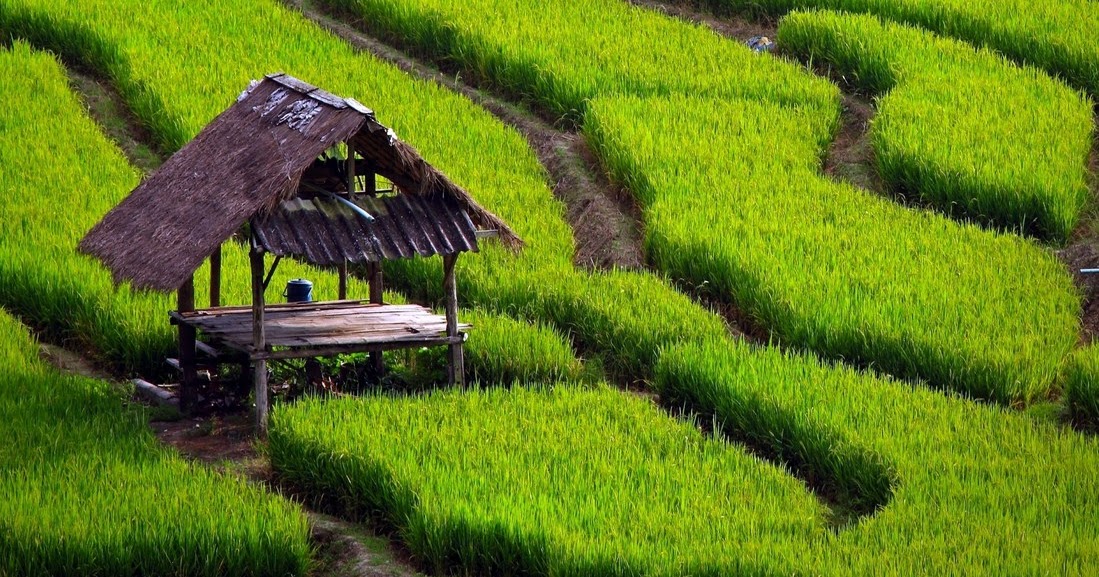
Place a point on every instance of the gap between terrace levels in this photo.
(606, 222)
(1083, 250)
(850, 156)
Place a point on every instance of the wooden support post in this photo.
(343, 279)
(259, 341)
(215, 278)
(456, 359)
(374, 271)
(371, 186)
(350, 170)
(188, 383)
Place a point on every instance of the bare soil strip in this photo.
(735, 27)
(605, 221)
(1083, 251)
(106, 107)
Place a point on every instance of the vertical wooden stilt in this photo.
(215, 278)
(374, 271)
(456, 358)
(259, 341)
(343, 279)
(188, 384)
(350, 170)
(371, 186)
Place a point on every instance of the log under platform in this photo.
(317, 329)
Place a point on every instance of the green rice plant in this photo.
(628, 316)
(560, 53)
(962, 130)
(85, 489)
(539, 285)
(826, 266)
(966, 497)
(517, 351)
(1057, 36)
(553, 481)
(1082, 388)
(72, 297)
(607, 47)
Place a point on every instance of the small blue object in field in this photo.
(760, 44)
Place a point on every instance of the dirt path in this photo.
(735, 27)
(106, 106)
(605, 221)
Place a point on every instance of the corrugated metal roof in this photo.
(325, 231)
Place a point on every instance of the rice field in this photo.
(586, 480)
(85, 488)
(553, 481)
(71, 297)
(1057, 36)
(829, 267)
(912, 300)
(963, 499)
(959, 129)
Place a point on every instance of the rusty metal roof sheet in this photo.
(325, 231)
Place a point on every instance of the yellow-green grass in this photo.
(138, 45)
(553, 481)
(960, 129)
(625, 315)
(60, 174)
(1082, 388)
(733, 198)
(560, 53)
(608, 49)
(85, 488)
(566, 481)
(1057, 36)
(978, 490)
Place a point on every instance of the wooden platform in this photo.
(299, 330)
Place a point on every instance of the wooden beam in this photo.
(456, 359)
(374, 270)
(304, 353)
(188, 384)
(215, 278)
(259, 374)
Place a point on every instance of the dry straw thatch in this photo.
(243, 164)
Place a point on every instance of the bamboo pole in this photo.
(456, 359)
(188, 383)
(259, 343)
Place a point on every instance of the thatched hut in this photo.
(298, 165)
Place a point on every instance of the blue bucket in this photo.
(298, 290)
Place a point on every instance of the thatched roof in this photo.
(245, 163)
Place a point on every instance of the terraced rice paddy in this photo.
(826, 468)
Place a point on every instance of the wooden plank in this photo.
(344, 349)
